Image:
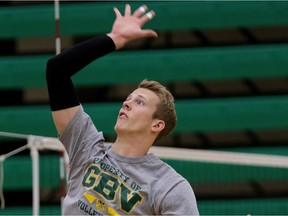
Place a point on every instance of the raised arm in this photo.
(63, 98)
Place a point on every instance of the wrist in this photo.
(118, 40)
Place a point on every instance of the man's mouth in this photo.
(123, 115)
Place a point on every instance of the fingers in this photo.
(127, 10)
(150, 33)
(146, 17)
(117, 12)
(140, 11)
(140, 14)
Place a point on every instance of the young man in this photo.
(122, 178)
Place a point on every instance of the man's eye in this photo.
(139, 102)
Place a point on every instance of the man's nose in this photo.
(126, 105)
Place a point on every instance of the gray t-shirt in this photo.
(101, 182)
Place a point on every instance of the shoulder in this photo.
(167, 171)
(168, 178)
(80, 134)
(175, 194)
(80, 126)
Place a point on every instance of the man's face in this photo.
(135, 116)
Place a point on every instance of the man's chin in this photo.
(118, 128)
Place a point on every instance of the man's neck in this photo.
(131, 147)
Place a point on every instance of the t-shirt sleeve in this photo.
(80, 135)
(180, 200)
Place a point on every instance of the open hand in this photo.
(129, 27)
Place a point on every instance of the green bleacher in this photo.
(215, 115)
(265, 112)
(81, 19)
(181, 65)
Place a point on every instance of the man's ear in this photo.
(158, 125)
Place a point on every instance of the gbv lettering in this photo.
(108, 187)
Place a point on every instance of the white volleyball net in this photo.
(41, 177)
(225, 183)
(234, 183)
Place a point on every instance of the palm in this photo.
(129, 27)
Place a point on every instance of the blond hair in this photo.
(165, 110)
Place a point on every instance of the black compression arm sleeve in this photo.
(60, 68)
